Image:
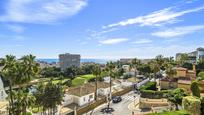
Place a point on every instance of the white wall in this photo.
(103, 91)
(82, 100)
(68, 99)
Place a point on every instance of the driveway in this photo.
(120, 108)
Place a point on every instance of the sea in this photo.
(101, 61)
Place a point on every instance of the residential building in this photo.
(81, 95)
(182, 79)
(85, 94)
(68, 60)
(193, 57)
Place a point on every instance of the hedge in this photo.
(154, 94)
(149, 86)
(192, 105)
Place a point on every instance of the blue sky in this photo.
(104, 29)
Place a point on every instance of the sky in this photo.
(102, 29)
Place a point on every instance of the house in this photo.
(182, 79)
(166, 83)
(81, 95)
(85, 94)
(103, 88)
(184, 83)
(183, 72)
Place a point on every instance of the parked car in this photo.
(107, 110)
(116, 99)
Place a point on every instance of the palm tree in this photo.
(31, 68)
(171, 72)
(18, 72)
(135, 63)
(155, 67)
(50, 95)
(28, 69)
(97, 72)
(110, 66)
(183, 59)
(8, 71)
(22, 100)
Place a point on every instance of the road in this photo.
(120, 108)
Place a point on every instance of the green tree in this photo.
(18, 72)
(183, 59)
(9, 73)
(145, 69)
(97, 72)
(135, 64)
(72, 72)
(171, 72)
(51, 72)
(110, 68)
(49, 96)
(195, 89)
(155, 67)
(176, 96)
(201, 75)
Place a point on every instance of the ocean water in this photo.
(101, 61)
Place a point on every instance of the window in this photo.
(90, 96)
(84, 98)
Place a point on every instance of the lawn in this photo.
(181, 112)
(78, 81)
(62, 81)
(88, 76)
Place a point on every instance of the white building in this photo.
(85, 94)
(81, 95)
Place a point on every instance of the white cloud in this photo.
(96, 34)
(41, 11)
(16, 28)
(142, 41)
(113, 41)
(178, 31)
(164, 16)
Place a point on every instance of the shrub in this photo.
(154, 94)
(201, 75)
(192, 105)
(149, 86)
(195, 89)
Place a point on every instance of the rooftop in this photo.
(86, 89)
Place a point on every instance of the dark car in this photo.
(107, 110)
(116, 99)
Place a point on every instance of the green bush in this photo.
(149, 86)
(202, 105)
(201, 75)
(192, 105)
(195, 89)
(151, 94)
(181, 112)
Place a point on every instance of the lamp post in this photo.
(134, 99)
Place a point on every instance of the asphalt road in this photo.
(120, 108)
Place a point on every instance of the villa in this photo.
(83, 95)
